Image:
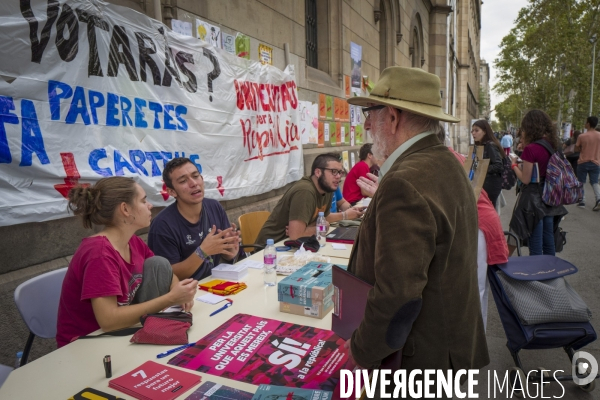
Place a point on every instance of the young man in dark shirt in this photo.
(193, 233)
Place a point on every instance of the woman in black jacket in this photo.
(484, 136)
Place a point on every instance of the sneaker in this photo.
(581, 204)
(597, 206)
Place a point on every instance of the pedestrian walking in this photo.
(588, 145)
(483, 135)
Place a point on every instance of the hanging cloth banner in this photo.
(90, 90)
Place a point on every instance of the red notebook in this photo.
(155, 381)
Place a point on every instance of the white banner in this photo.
(90, 90)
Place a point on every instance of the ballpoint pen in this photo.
(175, 350)
(229, 303)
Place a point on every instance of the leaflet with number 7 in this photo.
(155, 381)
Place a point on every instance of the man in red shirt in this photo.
(352, 192)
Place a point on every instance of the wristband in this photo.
(343, 214)
(200, 253)
(513, 166)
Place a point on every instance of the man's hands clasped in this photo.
(225, 242)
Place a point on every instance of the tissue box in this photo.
(310, 285)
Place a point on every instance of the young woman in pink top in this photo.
(114, 278)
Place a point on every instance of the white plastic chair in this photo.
(4, 372)
(37, 300)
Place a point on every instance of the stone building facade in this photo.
(484, 90)
(440, 36)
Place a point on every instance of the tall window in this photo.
(311, 33)
(416, 50)
(382, 37)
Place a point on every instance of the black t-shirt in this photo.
(175, 238)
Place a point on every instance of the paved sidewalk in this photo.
(582, 249)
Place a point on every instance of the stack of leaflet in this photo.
(155, 381)
(307, 291)
(230, 272)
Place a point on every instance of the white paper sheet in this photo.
(338, 246)
(211, 298)
(251, 264)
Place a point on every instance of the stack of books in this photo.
(230, 272)
(308, 291)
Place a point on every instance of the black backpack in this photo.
(509, 178)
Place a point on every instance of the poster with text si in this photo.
(93, 90)
(259, 350)
(355, 63)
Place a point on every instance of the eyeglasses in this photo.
(367, 110)
(335, 172)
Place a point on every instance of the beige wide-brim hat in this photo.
(410, 89)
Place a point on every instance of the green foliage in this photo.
(544, 57)
(496, 126)
(483, 101)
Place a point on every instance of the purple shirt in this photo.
(536, 153)
(175, 238)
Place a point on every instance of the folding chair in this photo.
(4, 372)
(37, 300)
(250, 225)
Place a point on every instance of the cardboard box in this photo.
(308, 286)
(318, 310)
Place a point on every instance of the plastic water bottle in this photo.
(270, 263)
(321, 228)
(18, 360)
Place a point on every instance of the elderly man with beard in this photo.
(417, 244)
(299, 207)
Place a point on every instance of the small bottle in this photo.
(18, 360)
(270, 263)
(321, 228)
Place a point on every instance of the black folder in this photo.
(349, 304)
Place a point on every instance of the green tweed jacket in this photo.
(417, 246)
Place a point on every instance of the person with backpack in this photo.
(532, 219)
(483, 135)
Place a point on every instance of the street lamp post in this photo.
(592, 40)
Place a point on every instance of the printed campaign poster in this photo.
(265, 54)
(347, 86)
(77, 106)
(258, 350)
(182, 27)
(242, 46)
(356, 62)
(228, 42)
(209, 33)
(309, 123)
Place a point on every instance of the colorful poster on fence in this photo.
(265, 351)
(93, 90)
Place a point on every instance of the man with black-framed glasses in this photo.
(299, 207)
